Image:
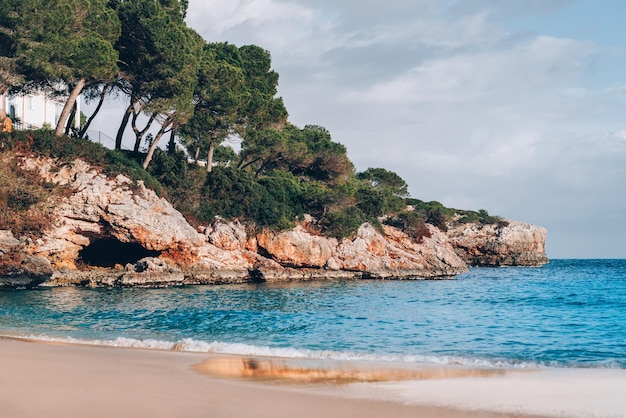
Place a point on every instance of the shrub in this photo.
(433, 213)
(66, 149)
(482, 217)
(343, 223)
(25, 204)
(371, 202)
(412, 224)
(121, 162)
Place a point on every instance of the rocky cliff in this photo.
(508, 243)
(112, 232)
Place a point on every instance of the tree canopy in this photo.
(201, 93)
(60, 45)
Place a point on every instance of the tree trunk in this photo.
(209, 157)
(68, 105)
(197, 154)
(3, 97)
(139, 134)
(70, 120)
(155, 143)
(83, 130)
(120, 131)
(249, 163)
(171, 145)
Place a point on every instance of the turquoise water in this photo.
(570, 313)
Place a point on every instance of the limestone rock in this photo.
(102, 207)
(510, 243)
(111, 211)
(372, 254)
(22, 270)
(227, 236)
(297, 248)
(151, 272)
(8, 242)
(396, 255)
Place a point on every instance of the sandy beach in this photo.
(60, 380)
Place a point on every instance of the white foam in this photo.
(217, 347)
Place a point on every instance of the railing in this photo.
(102, 139)
(92, 135)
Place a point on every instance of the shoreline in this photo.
(52, 379)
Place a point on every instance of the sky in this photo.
(517, 107)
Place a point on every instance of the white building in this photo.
(34, 111)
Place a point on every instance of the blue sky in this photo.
(514, 106)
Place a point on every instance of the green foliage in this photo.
(234, 194)
(170, 169)
(433, 212)
(64, 39)
(371, 202)
(412, 223)
(286, 191)
(482, 217)
(308, 153)
(182, 183)
(440, 216)
(121, 162)
(224, 154)
(67, 149)
(159, 60)
(343, 223)
(59, 46)
(202, 92)
(380, 178)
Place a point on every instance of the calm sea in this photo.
(570, 313)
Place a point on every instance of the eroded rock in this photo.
(115, 211)
(509, 243)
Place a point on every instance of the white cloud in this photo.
(621, 134)
(502, 74)
(216, 17)
(468, 110)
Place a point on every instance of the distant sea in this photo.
(569, 313)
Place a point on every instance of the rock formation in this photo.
(509, 243)
(113, 232)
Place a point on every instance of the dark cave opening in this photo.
(108, 252)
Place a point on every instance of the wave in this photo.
(239, 349)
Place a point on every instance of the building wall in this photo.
(34, 111)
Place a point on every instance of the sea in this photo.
(569, 313)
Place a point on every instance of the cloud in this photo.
(467, 109)
(509, 8)
(216, 17)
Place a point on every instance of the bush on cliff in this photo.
(481, 217)
(26, 203)
(254, 194)
(412, 223)
(44, 143)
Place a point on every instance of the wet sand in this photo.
(58, 380)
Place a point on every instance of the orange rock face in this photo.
(174, 253)
(297, 248)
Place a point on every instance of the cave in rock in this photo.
(108, 252)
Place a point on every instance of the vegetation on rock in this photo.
(201, 94)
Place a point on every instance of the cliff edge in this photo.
(507, 243)
(115, 232)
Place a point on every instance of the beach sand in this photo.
(66, 381)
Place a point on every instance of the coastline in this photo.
(62, 380)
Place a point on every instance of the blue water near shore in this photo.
(570, 313)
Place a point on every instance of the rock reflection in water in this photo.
(319, 371)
